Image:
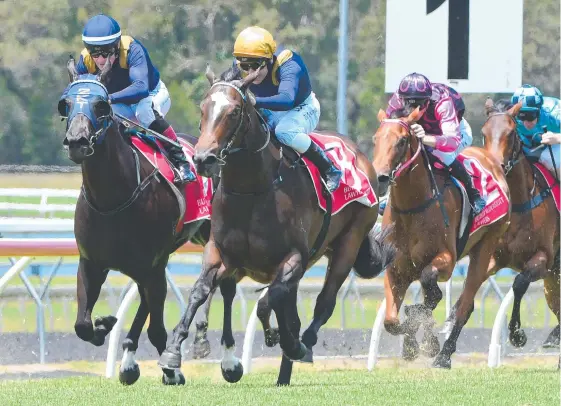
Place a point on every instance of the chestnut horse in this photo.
(531, 243)
(265, 222)
(425, 230)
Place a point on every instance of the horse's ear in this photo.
(414, 116)
(489, 106)
(102, 77)
(513, 111)
(210, 75)
(248, 80)
(71, 67)
(382, 115)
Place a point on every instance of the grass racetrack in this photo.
(530, 384)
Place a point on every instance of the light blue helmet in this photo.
(101, 30)
(530, 96)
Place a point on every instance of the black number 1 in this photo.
(458, 36)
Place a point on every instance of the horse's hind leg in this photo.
(89, 281)
(129, 372)
(551, 289)
(533, 270)
(480, 257)
(231, 367)
(201, 345)
(340, 264)
(209, 278)
(264, 315)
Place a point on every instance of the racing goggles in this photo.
(527, 115)
(250, 64)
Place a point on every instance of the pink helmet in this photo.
(415, 86)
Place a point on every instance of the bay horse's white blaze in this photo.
(220, 103)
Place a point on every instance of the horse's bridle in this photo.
(403, 165)
(228, 150)
(515, 155)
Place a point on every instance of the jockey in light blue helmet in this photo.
(538, 114)
(135, 88)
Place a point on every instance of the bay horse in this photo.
(125, 219)
(531, 243)
(265, 223)
(426, 220)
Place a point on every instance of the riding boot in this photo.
(176, 154)
(459, 172)
(329, 172)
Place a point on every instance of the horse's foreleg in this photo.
(289, 274)
(209, 278)
(480, 256)
(533, 270)
(155, 292)
(89, 281)
(129, 372)
(291, 313)
(201, 345)
(340, 264)
(231, 366)
(264, 316)
(551, 290)
(394, 291)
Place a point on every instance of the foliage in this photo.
(37, 38)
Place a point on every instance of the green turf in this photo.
(466, 386)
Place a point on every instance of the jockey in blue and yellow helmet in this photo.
(538, 114)
(135, 88)
(283, 92)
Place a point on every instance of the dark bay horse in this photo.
(125, 220)
(265, 220)
(426, 246)
(531, 243)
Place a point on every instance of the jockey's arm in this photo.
(138, 75)
(451, 137)
(290, 73)
(553, 136)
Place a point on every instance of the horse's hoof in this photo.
(169, 360)
(308, 358)
(84, 331)
(173, 377)
(106, 322)
(443, 362)
(201, 349)
(518, 338)
(430, 346)
(98, 339)
(552, 341)
(234, 374)
(272, 337)
(298, 354)
(410, 350)
(129, 376)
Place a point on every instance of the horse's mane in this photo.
(400, 113)
(232, 73)
(501, 106)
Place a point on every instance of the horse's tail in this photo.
(375, 253)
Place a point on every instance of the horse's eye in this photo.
(401, 141)
(236, 111)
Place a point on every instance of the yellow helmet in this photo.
(255, 42)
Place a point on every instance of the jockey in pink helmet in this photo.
(441, 128)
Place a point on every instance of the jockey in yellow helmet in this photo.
(283, 92)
